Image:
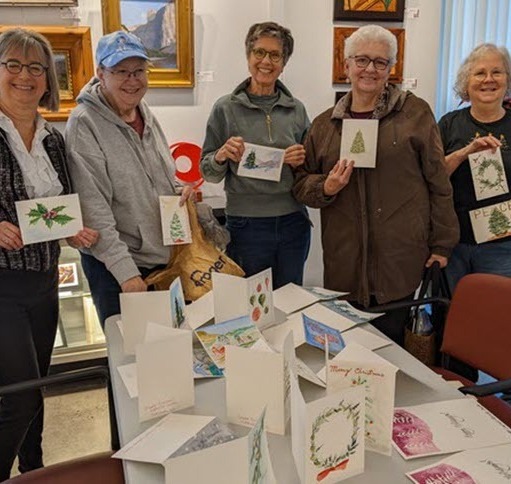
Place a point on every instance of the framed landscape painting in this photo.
(369, 10)
(342, 33)
(165, 27)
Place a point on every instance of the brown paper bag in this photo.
(194, 263)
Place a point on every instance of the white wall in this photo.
(220, 28)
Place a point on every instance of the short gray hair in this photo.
(270, 29)
(463, 75)
(30, 42)
(371, 33)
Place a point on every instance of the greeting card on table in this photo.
(345, 309)
(317, 333)
(443, 427)
(200, 311)
(237, 332)
(358, 141)
(324, 294)
(175, 222)
(262, 162)
(357, 366)
(327, 435)
(488, 174)
(50, 218)
(256, 379)
(203, 365)
(138, 308)
(481, 466)
(492, 222)
(291, 298)
(235, 297)
(177, 303)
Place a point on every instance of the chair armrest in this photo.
(408, 304)
(487, 388)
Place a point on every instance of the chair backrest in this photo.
(478, 325)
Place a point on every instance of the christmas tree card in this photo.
(177, 303)
(481, 466)
(492, 222)
(175, 222)
(444, 427)
(234, 297)
(327, 435)
(358, 142)
(256, 379)
(50, 218)
(262, 162)
(488, 174)
(138, 308)
(357, 366)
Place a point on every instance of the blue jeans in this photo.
(281, 243)
(492, 258)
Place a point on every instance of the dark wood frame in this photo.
(340, 13)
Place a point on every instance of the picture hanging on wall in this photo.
(38, 3)
(342, 33)
(165, 27)
(369, 10)
(72, 50)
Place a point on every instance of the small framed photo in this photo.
(369, 10)
(68, 275)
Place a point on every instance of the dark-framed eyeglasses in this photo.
(125, 74)
(363, 61)
(274, 55)
(35, 69)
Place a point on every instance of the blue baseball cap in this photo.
(117, 46)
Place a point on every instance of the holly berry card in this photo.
(358, 142)
(175, 222)
(50, 218)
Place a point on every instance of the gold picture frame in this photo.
(370, 10)
(342, 33)
(173, 64)
(38, 3)
(73, 60)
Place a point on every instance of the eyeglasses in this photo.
(482, 75)
(125, 74)
(34, 68)
(274, 55)
(363, 61)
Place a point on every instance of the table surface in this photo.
(418, 385)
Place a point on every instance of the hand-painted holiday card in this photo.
(237, 332)
(177, 303)
(324, 294)
(137, 309)
(488, 174)
(358, 142)
(262, 162)
(175, 222)
(235, 297)
(291, 298)
(358, 366)
(51, 218)
(165, 374)
(328, 435)
(317, 333)
(480, 466)
(443, 427)
(345, 309)
(492, 222)
(203, 365)
(249, 387)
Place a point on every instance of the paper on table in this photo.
(157, 332)
(307, 374)
(291, 298)
(129, 378)
(324, 294)
(355, 316)
(200, 311)
(203, 365)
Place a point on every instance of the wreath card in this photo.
(175, 222)
(488, 174)
(358, 142)
(488, 465)
(492, 222)
(262, 162)
(443, 427)
(50, 218)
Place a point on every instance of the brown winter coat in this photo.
(378, 231)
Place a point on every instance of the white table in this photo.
(210, 400)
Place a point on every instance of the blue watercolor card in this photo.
(315, 333)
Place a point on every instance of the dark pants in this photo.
(281, 243)
(28, 323)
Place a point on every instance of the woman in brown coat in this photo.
(382, 225)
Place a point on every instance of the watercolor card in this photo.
(358, 142)
(316, 333)
(488, 174)
(175, 222)
(177, 304)
(345, 309)
(203, 365)
(262, 162)
(492, 222)
(50, 218)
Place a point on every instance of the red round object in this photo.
(193, 153)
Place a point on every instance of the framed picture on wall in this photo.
(38, 3)
(72, 50)
(340, 36)
(369, 10)
(165, 27)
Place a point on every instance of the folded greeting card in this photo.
(200, 311)
(345, 309)
(358, 142)
(177, 303)
(262, 162)
(203, 365)
(443, 427)
(291, 298)
(175, 222)
(488, 174)
(324, 294)
(316, 334)
(492, 222)
(50, 218)
(481, 466)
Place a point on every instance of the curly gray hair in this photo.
(371, 33)
(270, 29)
(465, 70)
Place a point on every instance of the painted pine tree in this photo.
(358, 145)
(180, 317)
(176, 229)
(498, 224)
(250, 161)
